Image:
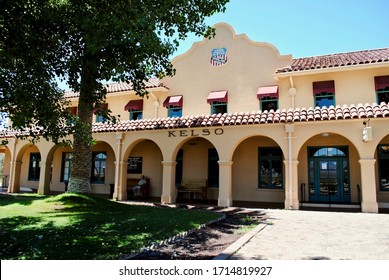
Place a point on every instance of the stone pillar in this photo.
(369, 192)
(225, 183)
(120, 192)
(14, 177)
(168, 182)
(291, 185)
(44, 178)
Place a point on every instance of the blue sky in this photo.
(307, 27)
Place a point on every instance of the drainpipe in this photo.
(289, 129)
(119, 138)
(155, 104)
(292, 91)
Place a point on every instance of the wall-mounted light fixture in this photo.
(367, 132)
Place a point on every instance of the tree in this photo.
(85, 43)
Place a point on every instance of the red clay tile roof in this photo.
(120, 87)
(260, 117)
(337, 60)
(245, 118)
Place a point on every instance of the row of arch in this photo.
(237, 156)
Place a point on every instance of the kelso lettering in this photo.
(192, 132)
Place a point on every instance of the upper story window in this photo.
(99, 112)
(218, 101)
(174, 105)
(382, 89)
(268, 98)
(324, 93)
(135, 108)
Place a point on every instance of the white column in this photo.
(369, 192)
(291, 185)
(120, 192)
(14, 177)
(225, 183)
(168, 182)
(118, 168)
(44, 178)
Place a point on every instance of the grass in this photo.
(77, 227)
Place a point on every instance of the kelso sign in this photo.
(192, 132)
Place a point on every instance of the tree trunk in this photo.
(80, 171)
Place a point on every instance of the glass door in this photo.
(328, 181)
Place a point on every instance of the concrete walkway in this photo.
(296, 235)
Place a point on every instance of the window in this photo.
(174, 105)
(179, 166)
(100, 111)
(65, 169)
(383, 167)
(218, 101)
(270, 168)
(382, 89)
(324, 93)
(98, 167)
(218, 107)
(268, 98)
(34, 169)
(269, 103)
(134, 165)
(136, 114)
(174, 111)
(135, 107)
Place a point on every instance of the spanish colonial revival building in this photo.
(259, 127)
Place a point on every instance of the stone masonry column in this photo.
(168, 182)
(44, 178)
(291, 185)
(225, 183)
(369, 192)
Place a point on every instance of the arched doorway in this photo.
(329, 174)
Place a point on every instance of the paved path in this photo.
(294, 235)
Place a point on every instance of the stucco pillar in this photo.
(44, 178)
(120, 191)
(291, 185)
(225, 183)
(14, 177)
(369, 192)
(118, 167)
(168, 182)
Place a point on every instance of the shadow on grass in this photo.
(87, 227)
(22, 199)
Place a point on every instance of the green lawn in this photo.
(70, 226)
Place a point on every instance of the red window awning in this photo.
(218, 96)
(173, 101)
(98, 109)
(381, 82)
(134, 105)
(325, 86)
(271, 91)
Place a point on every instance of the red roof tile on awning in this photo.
(271, 91)
(381, 82)
(325, 86)
(218, 96)
(173, 101)
(134, 105)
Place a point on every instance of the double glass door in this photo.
(329, 177)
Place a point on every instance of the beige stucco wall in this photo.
(250, 65)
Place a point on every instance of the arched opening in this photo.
(382, 174)
(144, 158)
(103, 168)
(258, 173)
(197, 166)
(329, 171)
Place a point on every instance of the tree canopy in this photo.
(85, 43)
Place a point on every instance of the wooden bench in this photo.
(132, 182)
(192, 187)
